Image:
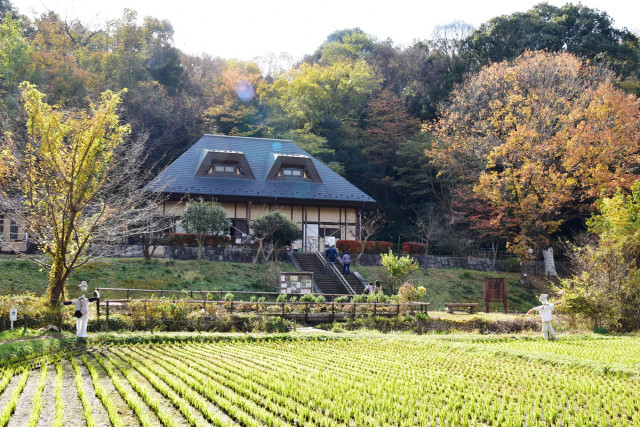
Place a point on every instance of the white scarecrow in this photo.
(82, 310)
(545, 313)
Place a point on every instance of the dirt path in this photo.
(23, 409)
(48, 412)
(97, 408)
(73, 411)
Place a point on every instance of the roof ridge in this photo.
(248, 137)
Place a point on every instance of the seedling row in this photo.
(388, 381)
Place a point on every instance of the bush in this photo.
(307, 298)
(188, 239)
(354, 246)
(413, 248)
(228, 297)
(281, 298)
(342, 299)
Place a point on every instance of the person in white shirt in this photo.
(82, 310)
(545, 314)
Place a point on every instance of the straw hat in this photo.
(544, 298)
(83, 285)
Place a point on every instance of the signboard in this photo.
(13, 314)
(495, 290)
(299, 282)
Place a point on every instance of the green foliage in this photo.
(282, 298)
(203, 218)
(275, 228)
(574, 28)
(307, 298)
(398, 268)
(341, 299)
(228, 296)
(606, 287)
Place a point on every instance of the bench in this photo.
(470, 306)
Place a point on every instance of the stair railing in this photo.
(331, 267)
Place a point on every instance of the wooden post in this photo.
(282, 316)
(306, 312)
(127, 293)
(332, 310)
(375, 304)
(353, 312)
(107, 316)
(98, 309)
(398, 312)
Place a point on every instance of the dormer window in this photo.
(224, 164)
(224, 168)
(292, 172)
(293, 167)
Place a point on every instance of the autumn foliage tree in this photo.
(74, 183)
(538, 140)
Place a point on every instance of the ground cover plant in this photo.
(330, 380)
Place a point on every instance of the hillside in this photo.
(443, 285)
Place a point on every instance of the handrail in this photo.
(337, 273)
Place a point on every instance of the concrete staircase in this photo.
(327, 282)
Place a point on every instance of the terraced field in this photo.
(379, 381)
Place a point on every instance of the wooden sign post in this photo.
(495, 290)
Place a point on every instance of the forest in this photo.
(502, 136)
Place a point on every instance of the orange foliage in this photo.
(538, 140)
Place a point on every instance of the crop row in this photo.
(387, 381)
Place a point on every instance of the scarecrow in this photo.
(545, 314)
(82, 310)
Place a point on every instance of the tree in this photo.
(370, 224)
(76, 183)
(538, 139)
(275, 228)
(202, 218)
(398, 268)
(606, 283)
(573, 28)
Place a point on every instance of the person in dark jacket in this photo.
(346, 263)
(332, 253)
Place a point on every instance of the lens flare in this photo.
(245, 90)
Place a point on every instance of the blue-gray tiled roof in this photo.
(180, 176)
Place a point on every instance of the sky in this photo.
(254, 28)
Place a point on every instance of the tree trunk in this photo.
(255, 259)
(200, 239)
(57, 280)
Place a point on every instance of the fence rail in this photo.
(311, 312)
(194, 293)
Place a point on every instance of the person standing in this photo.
(377, 289)
(82, 310)
(545, 311)
(346, 263)
(331, 254)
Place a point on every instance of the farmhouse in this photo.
(251, 176)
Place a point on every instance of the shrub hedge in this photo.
(354, 246)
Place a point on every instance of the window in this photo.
(330, 232)
(224, 168)
(292, 172)
(13, 231)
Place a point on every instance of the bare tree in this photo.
(370, 224)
